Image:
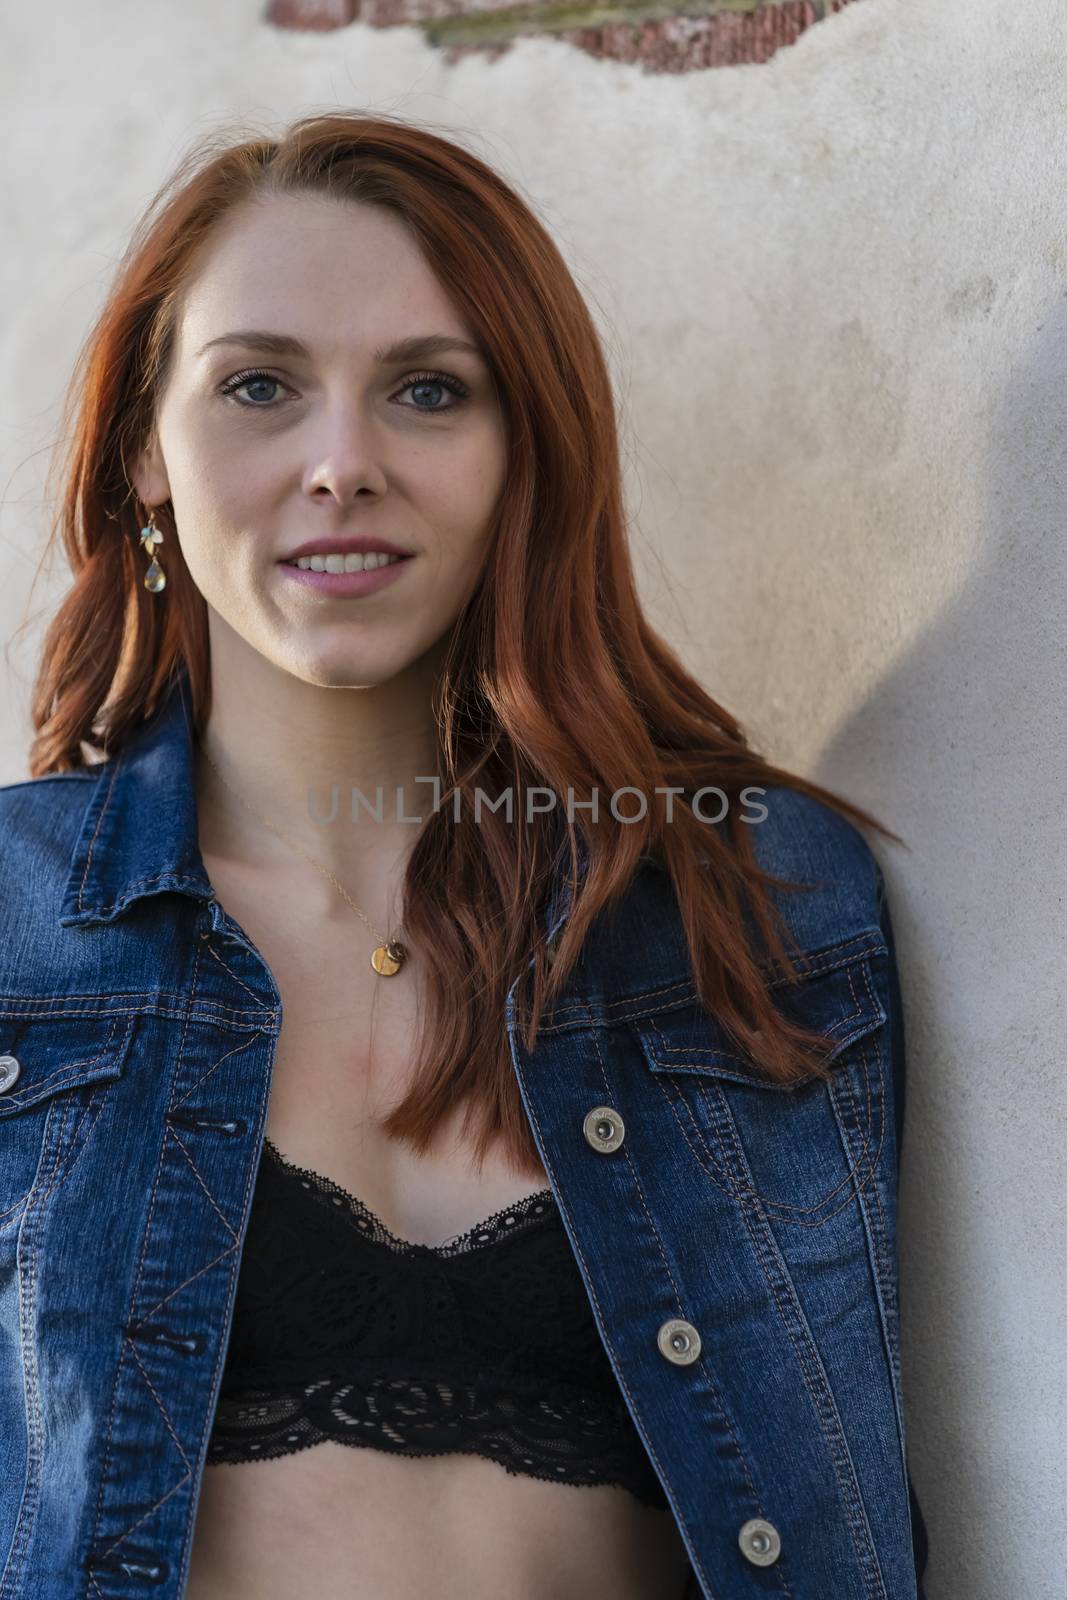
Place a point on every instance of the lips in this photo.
(292, 561)
(345, 545)
(340, 585)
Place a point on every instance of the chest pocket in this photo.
(55, 1072)
(799, 1150)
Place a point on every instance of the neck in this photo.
(308, 758)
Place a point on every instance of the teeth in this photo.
(350, 563)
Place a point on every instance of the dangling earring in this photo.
(155, 578)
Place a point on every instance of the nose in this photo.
(344, 459)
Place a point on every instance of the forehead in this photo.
(328, 271)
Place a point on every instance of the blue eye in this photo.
(241, 380)
(420, 380)
(438, 380)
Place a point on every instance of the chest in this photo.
(346, 1054)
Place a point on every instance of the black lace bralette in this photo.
(485, 1344)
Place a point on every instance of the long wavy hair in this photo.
(554, 677)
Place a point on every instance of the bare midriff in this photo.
(339, 1522)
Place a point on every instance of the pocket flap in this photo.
(841, 1003)
(43, 1055)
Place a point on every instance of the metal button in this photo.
(679, 1341)
(760, 1542)
(604, 1129)
(10, 1068)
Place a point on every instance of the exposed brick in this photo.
(317, 16)
(410, 13)
(728, 33)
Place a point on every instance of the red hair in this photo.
(554, 676)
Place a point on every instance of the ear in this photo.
(149, 475)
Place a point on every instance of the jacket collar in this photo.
(140, 834)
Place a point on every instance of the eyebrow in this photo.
(404, 350)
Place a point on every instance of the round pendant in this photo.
(388, 958)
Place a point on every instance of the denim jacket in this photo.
(737, 1241)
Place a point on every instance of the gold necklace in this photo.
(389, 955)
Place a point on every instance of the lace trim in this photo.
(557, 1434)
(530, 1209)
(491, 1353)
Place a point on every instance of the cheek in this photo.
(463, 506)
(215, 504)
(460, 574)
(215, 550)
(458, 563)
(449, 565)
(469, 477)
(211, 464)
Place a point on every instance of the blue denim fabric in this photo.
(142, 1024)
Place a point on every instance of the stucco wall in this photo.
(834, 287)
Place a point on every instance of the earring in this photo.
(155, 578)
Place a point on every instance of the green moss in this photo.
(490, 27)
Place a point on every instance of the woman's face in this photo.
(339, 438)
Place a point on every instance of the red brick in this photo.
(667, 44)
(317, 16)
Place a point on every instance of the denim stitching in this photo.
(744, 1185)
(777, 1207)
(571, 1013)
(193, 1087)
(105, 1464)
(221, 1351)
(70, 1141)
(637, 1181)
(107, 1550)
(227, 968)
(96, 831)
(885, 1287)
(783, 1206)
(96, 1105)
(741, 1188)
(200, 1179)
(107, 1083)
(676, 1100)
(813, 1373)
(245, 1017)
(170, 1429)
(27, 1275)
(744, 1193)
(35, 1091)
(182, 1481)
(153, 1310)
(724, 1416)
(717, 1056)
(188, 878)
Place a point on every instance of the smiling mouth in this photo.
(354, 561)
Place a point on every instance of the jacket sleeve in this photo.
(920, 1537)
(896, 1016)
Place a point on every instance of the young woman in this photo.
(451, 1087)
